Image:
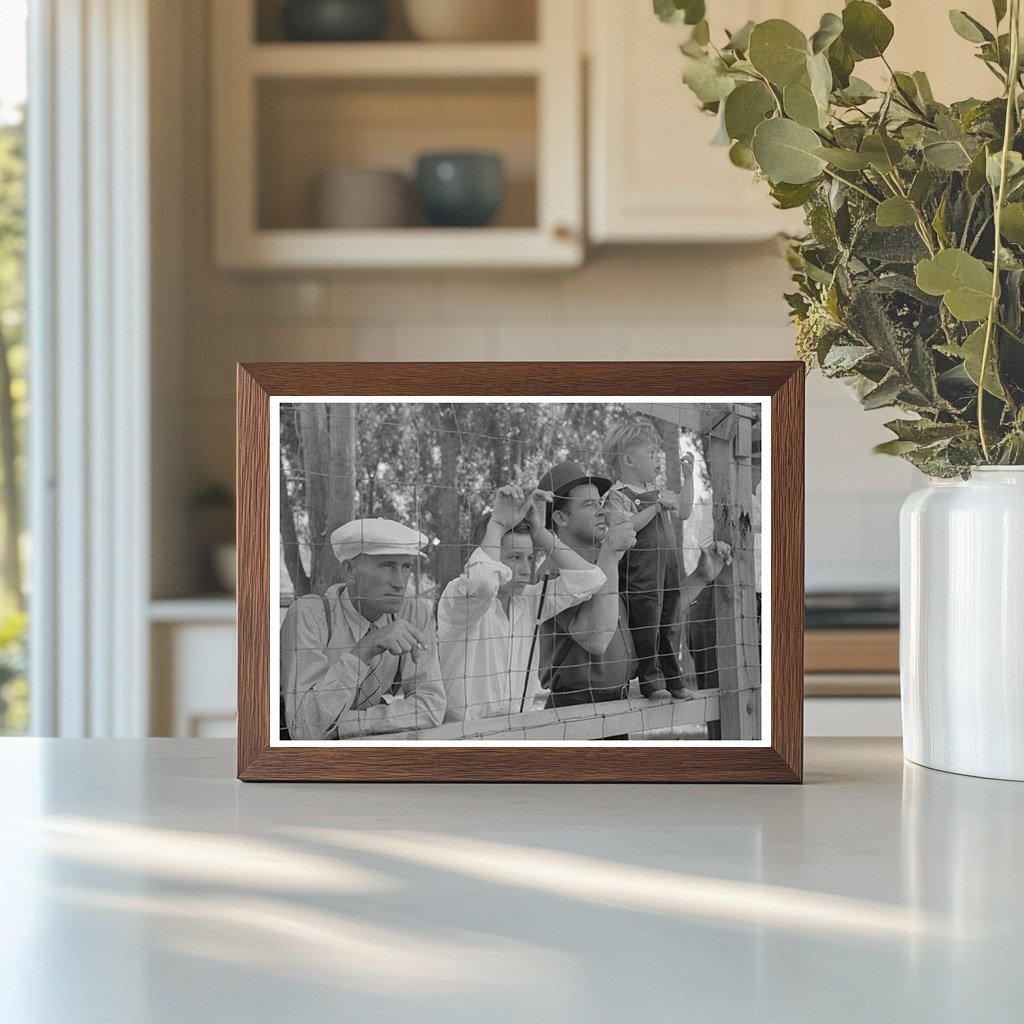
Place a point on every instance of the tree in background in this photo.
(12, 350)
(13, 410)
(431, 466)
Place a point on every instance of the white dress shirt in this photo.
(484, 651)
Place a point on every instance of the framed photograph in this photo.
(519, 572)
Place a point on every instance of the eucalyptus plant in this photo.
(910, 278)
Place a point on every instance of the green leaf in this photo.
(857, 91)
(844, 159)
(778, 50)
(939, 220)
(923, 431)
(921, 186)
(976, 175)
(789, 197)
(800, 105)
(745, 108)
(742, 155)
(963, 281)
(924, 88)
(946, 156)
(999, 6)
(829, 30)
(701, 33)
(739, 41)
(785, 152)
(694, 10)
(707, 80)
(866, 29)
(895, 447)
(906, 89)
(896, 212)
(885, 394)
(971, 352)
(841, 60)
(668, 12)
(994, 167)
(676, 12)
(968, 28)
(820, 76)
(883, 153)
(1012, 224)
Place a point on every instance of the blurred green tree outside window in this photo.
(14, 703)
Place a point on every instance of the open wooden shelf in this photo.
(286, 113)
(392, 60)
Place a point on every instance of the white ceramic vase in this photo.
(962, 624)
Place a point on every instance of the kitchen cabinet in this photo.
(653, 175)
(287, 113)
(193, 673)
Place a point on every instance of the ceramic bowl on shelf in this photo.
(471, 20)
(334, 20)
(460, 189)
(361, 198)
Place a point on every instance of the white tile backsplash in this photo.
(717, 302)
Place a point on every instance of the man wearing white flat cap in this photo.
(362, 659)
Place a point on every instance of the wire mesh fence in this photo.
(621, 601)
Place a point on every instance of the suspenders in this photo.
(394, 688)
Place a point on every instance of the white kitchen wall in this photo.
(708, 302)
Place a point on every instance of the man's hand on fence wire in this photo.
(510, 506)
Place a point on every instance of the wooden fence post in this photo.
(730, 454)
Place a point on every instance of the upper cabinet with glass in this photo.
(374, 133)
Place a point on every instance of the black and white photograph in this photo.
(522, 571)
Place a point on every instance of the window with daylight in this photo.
(14, 548)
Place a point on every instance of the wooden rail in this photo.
(635, 717)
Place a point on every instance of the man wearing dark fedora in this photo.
(586, 652)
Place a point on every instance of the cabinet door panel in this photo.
(653, 174)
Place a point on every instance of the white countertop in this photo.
(143, 884)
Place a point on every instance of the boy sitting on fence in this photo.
(488, 616)
(649, 573)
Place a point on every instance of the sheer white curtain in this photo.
(88, 318)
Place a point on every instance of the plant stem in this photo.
(850, 184)
(993, 309)
(922, 225)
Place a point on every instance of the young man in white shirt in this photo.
(488, 616)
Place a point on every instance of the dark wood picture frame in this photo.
(779, 761)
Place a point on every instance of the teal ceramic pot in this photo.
(334, 20)
(460, 189)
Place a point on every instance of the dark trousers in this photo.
(569, 698)
(649, 580)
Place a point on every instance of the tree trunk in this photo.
(11, 490)
(290, 540)
(342, 481)
(450, 558)
(316, 461)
